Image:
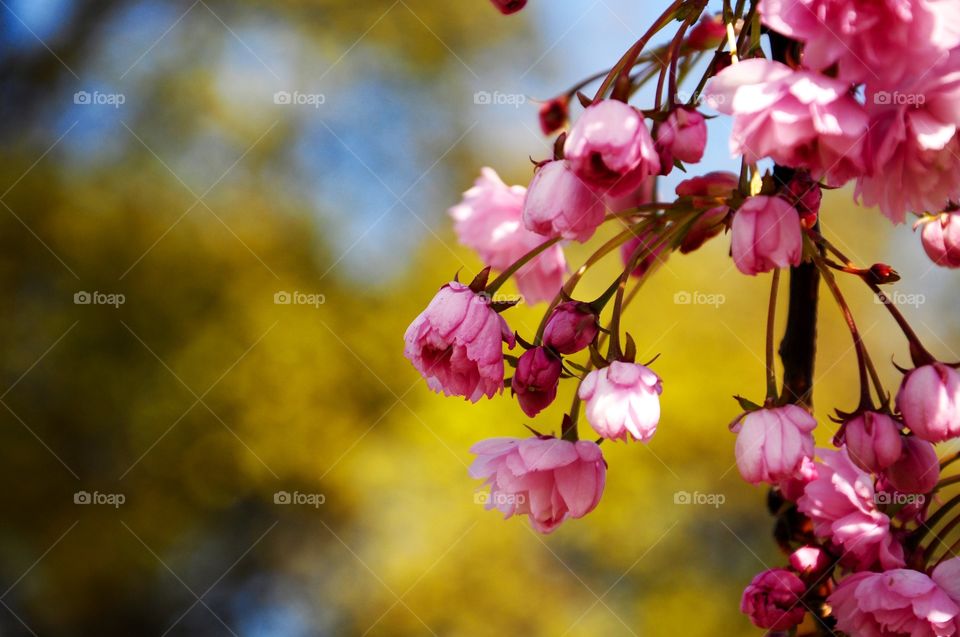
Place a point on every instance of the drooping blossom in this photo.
(929, 399)
(547, 479)
(489, 220)
(506, 7)
(610, 148)
(912, 150)
(873, 41)
(941, 239)
(841, 503)
(558, 204)
(572, 326)
(456, 344)
(766, 235)
(772, 600)
(553, 114)
(682, 136)
(872, 440)
(651, 248)
(773, 443)
(917, 469)
(708, 33)
(535, 383)
(896, 603)
(797, 118)
(622, 401)
(704, 190)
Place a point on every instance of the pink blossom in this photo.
(872, 440)
(929, 399)
(489, 220)
(841, 503)
(773, 600)
(941, 239)
(703, 191)
(792, 488)
(766, 235)
(506, 7)
(547, 479)
(797, 118)
(682, 136)
(572, 326)
(622, 401)
(651, 246)
(535, 383)
(895, 603)
(708, 33)
(610, 148)
(912, 148)
(810, 560)
(772, 443)
(456, 344)
(874, 41)
(559, 204)
(917, 470)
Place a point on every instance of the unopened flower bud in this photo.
(571, 327)
(553, 115)
(535, 383)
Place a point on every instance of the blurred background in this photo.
(218, 218)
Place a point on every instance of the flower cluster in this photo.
(854, 90)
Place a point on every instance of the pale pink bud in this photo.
(456, 344)
(766, 235)
(772, 443)
(610, 148)
(535, 383)
(929, 400)
(941, 239)
(571, 327)
(772, 600)
(810, 560)
(545, 478)
(873, 441)
(559, 204)
(917, 470)
(682, 136)
(622, 401)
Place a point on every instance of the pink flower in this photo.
(535, 383)
(797, 118)
(941, 239)
(772, 600)
(772, 443)
(622, 401)
(792, 488)
(841, 503)
(683, 136)
(929, 399)
(872, 440)
(489, 220)
(912, 148)
(895, 603)
(572, 326)
(610, 148)
(559, 204)
(456, 344)
(703, 191)
(506, 7)
(548, 479)
(553, 115)
(766, 235)
(810, 560)
(917, 470)
(651, 246)
(708, 33)
(882, 41)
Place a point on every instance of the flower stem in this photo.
(771, 322)
(519, 263)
